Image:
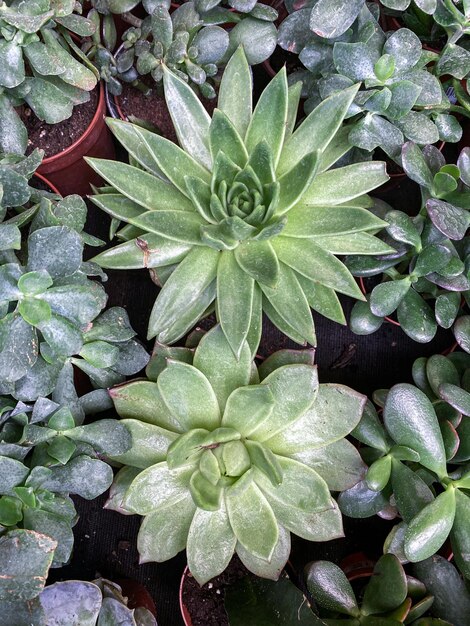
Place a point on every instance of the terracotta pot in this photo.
(67, 170)
(357, 565)
(47, 182)
(184, 611)
(137, 595)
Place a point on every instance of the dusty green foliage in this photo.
(227, 458)
(424, 280)
(389, 597)
(419, 454)
(40, 65)
(189, 40)
(71, 603)
(240, 217)
(51, 312)
(46, 455)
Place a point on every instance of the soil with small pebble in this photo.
(55, 138)
(206, 604)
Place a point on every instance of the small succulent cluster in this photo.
(190, 40)
(40, 65)
(430, 262)
(418, 461)
(227, 458)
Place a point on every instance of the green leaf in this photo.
(317, 130)
(310, 260)
(192, 276)
(34, 311)
(187, 448)
(440, 370)
(290, 303)
(251, 517)
(386, 297)
(190, 118)
(267, 569)
(262, 458)
(294, 182)
(330, 18)
(410, 491)
(66, 600)
(34, 283)
(45, 251)
(410, 419)
(430, 528)
(205, 494)
(157, 486)
(451, 220)
(456, 397)
(247, 408)
(330, 588)
(361, 502)
(211, 544)
(12, 73)
(215, 359)
(432, 259)
(225, 138)
(258, 260)
(340, 185)
(378, 473)
(415, 165)
(163, 534)
(141, 187)
(416, 317)
(82, 476)
(149, 444)
(235, 91)
(234, 300)
(269, 118)
(189, 396)
(100, 353)
(460, 534)
(26, 558)
(257, 36)
(316, 221)
(387, 588)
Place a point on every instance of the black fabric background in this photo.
(105, 542)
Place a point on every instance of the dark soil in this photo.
(55, 138)
(152, 109)
(206, 604)
(39, 184)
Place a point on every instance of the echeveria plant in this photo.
(51, 312)
(389, 596)
(415, 457)
(227, 458)
(96, 603)
(40, 65)
(431, 250)
(245, 216)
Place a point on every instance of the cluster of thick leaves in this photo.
(246, 216)
(191, 43)
(45, 456)
(389, 597)
(419, 462)
(226, 458)
(50, 311)
(25, 555)
(430, 261)
(38, 66)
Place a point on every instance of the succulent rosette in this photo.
(227, 458)
(246, 216)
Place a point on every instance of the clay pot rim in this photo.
(100, 110)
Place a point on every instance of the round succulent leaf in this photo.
(415, 165)
(378, 474)
(455, 396)
(236, 458)
(56, 249)
(34, 283)
(428, 530)
(332, 414)
(248, 407)
(462, 332)
(386, 297)
(34, 311)
(26, 558)
(361, 502)
(83, 476)
(205, 494)
(439, 370)
(330, 18)
(209, 465)
(387, 587)
(55, 527)
(416, 317)
(189, 396)
(72, 602)
(463, 163)
(432, 258)
(100, 353)
(108, 436)
(258, 39)
(163, 533)
(12, 474)
(215, 359)
(268, 569)
(330, 588)
(370, 430)
(450, 220)
(411, 493)
(251, 517)
(442, 580)
(450, 438)
(62, 336)
(446, 309)
(157, 486)
(211, 543)
(362, 321)
(460, 534)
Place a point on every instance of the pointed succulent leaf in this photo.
(330, 588)
(248, 407)
(416, 317)
(460, 535)
(235, 92)
(387, 588)
(410, 491)
(150, 444)
(268, 569)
